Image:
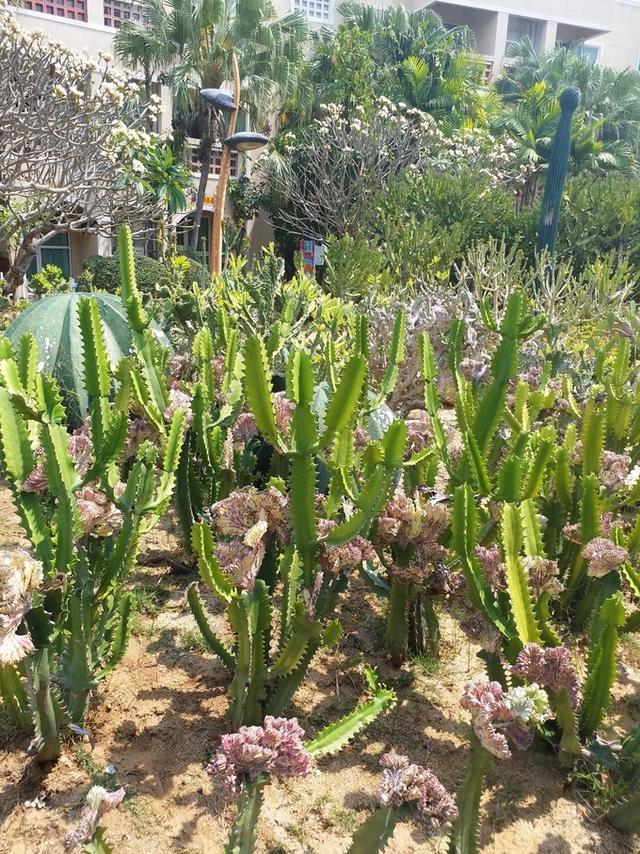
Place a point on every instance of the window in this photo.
(320, 11)
(214, 168)
(74, 10)
(117, 11)
(587, 51)
(520, 28)
(53, 251)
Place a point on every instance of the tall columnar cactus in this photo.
(557, 172)
(84, 502)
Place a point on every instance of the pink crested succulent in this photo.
(275, 748)
(419, 433)
(405, 783)
(614, 470)
(20, 576)
(81, 448)
(551, 668)
(493, 567)
(543, 576)
(245, 428)
(98, 802)
(488, 707)
(405, 521)
(602, 556)
(283, 409)
(337, 559)
(97, 513)
(37, 481)
(478, 630)
(235, 515)
(179, 399)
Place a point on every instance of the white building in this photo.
(607, 31)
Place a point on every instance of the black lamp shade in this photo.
(218, 99)
(246, 141)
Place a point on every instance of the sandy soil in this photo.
(160, 715)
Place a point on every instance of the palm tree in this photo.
(193, 43)
(610, 98)
(436, 66)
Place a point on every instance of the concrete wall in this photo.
(620, 48)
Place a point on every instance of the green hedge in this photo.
(102, 273)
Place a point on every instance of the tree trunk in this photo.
(19, 266)
(205, 164)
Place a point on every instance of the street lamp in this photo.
(218, 99)
(246, 141)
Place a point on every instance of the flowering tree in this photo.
(73, 145)
(325, 176)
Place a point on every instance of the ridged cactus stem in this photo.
(47, 741)
(397, 621)
(557, 174)
(465, 831)
(242, 839)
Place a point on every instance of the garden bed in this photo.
(161, 714)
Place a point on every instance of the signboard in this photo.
(318, 255)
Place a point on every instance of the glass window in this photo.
(587, 51)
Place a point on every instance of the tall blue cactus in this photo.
(550, 212)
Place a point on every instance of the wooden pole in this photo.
(215, 245)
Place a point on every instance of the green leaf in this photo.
(17, 455)
(334, 737)
(209, 568)
(210, 638)
(396, 355)
(602, 668)
(96, 365)
(373, 835)
(477, 463)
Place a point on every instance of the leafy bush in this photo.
(50, 280)
(101, 273)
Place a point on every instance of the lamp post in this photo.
(243, 141)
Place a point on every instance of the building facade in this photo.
(605, 31)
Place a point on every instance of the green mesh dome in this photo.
(53, 321)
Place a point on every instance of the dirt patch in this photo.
(160, 715)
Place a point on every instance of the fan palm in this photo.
(610, 98)
(192, 42)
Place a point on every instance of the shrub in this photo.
(101, 273)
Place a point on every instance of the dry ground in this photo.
(160, 715)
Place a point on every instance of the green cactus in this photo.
(464, 836)
(86, 620)
(265, 675)
(330, 740)
(557, 172)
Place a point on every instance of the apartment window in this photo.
(216, 160)
(520, 28)
(587, 51)
(319, 11)
(117, 11)
(74, 10)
